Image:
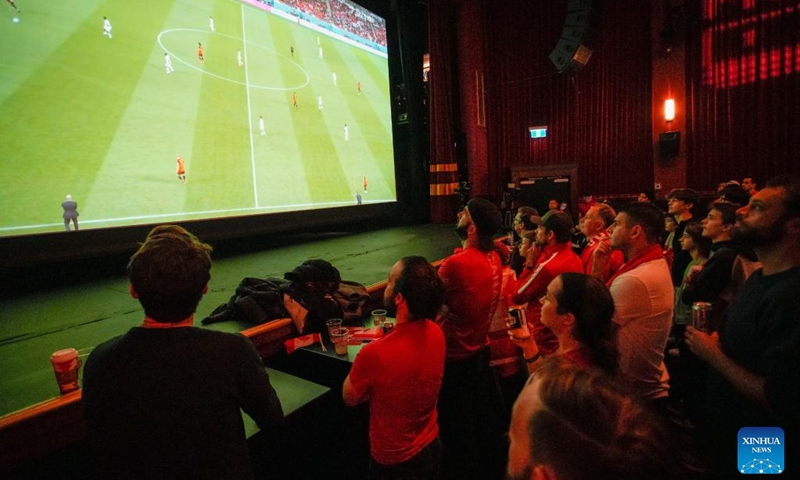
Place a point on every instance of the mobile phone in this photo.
(517, 317)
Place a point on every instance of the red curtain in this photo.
(442, 88)
(600, 119)
(743, 90)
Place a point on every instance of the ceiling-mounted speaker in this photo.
(578, 38)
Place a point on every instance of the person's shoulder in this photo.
(219, 338)
(108, 346)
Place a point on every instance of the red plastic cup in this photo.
(66, 365)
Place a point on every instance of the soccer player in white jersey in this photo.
(168, 63)
(107, 27)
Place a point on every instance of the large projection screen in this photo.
(288, 110)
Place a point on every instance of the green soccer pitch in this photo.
(100, 119)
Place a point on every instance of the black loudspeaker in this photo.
(578, 37)
(669, 144)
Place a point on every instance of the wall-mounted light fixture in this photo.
(669, 110)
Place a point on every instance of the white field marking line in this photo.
(249, 113)
(194, 67)
(185, 215)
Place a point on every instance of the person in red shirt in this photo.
(594, 225)
(471, 413)
(552, 257)
(200, 53)
(400, 375)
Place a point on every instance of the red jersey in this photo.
(181, 169)
(616, 260)
(401, 374)
(474, 280)
(532, 286)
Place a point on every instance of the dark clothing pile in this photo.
(315, 284)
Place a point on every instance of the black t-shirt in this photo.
(761, 333)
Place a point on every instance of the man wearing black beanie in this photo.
(470, 408)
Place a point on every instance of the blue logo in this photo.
(761, 450)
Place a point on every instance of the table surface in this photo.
(352, 351)
(293, 392)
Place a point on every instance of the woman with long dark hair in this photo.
(578, 309)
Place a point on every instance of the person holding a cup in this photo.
(164, 399)
(400, 375)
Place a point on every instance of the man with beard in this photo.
(400, 375)
(552, 256)
(754, 357)
(578, 424)
(643, 300)
(470, 407)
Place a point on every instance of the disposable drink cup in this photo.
(378, 317)
(333, 324)
(66, 365)
(339, 338)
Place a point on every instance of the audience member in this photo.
(578, 309)
(734, 194)
(552, 256)
(716, 282)
(595, 226)
(698, 247)
(682, 202)
(646, 196)
(470, 407)
(729, 265)
(164, 399)
(522, 224)
(749, 184)
(643, 299)
(400, 376)
(754, 357)
(578, 424)
(585, 203)
(670, 225)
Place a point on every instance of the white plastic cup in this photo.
(340, 338)
(378, 317)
